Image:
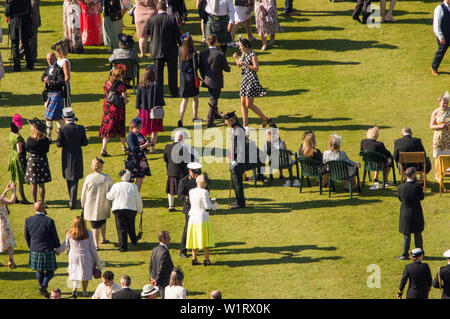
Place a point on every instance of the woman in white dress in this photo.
(82, 254)
(62, 51)
(242, 15)
(7, 240)
(95, 205)
(175, 289)
(199, 232)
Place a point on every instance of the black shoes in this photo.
(180, 123)
(172, 209)
(207, 262)
(44, 292)
(195, 262)
(183, 255)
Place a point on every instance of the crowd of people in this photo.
(162, 24)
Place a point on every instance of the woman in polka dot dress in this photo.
(38, 171)
(250, 87)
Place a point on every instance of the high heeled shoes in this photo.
(266, 121)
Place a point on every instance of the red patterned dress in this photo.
(113, 120)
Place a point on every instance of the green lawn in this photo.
(326, 73)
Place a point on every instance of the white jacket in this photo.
(125, 195)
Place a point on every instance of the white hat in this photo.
(68, 113)
(149, 290)
(447, 254)
(125, 175)
(194, 166)
(416, 252)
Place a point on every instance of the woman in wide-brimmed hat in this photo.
(17, 156)
(38, 170)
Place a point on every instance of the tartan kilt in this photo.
(45, 261)
(219, 25)
(55, 105)
(172, 185)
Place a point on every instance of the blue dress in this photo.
(137, 156)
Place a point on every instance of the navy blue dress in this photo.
(141, 168)
(187, 76)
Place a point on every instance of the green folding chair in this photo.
(375, 162)
(310, 168)
(339, 171)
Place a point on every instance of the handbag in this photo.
(156, 112)
(198, 80)
(115, 98)
(241, 3)
(96, 272)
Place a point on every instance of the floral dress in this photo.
(266, 25)
(113, 120)
(250, 86)
(137, 156)
(6, 233)
(441, 138)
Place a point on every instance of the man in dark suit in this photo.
(411, 214)
(161, 264)
(176, 156)
(20, 28)
(407, 144)
(42, 239)
(165, 36)
(212, 64)
(71, 137)
(419, 276)
(126, 292)
(442, 279)
(361, 6)
(186, 184)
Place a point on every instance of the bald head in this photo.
(39, 207)
(51, 58)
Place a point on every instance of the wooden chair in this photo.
(375, 162)
(418, 161)
(339, 171)
(310, 168)
(132, 72)
(443, 173)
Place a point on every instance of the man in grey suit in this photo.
(161, 264)
(212, 64)
(71, 137)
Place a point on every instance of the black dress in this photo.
(187, 76)
(38, 171)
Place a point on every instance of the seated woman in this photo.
(371, 144)
(274, 140)
(308, 149)
(334, 153)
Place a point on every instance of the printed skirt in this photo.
(38, 171)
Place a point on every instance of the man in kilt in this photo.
(218, 22)
(42, 239)
(54, 90)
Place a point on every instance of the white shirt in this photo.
(438, 14)
(175, 292)
(225, 7)
(105, 292)
(125, 195)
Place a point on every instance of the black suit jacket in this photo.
(212, 64)
(177, 168)
(444, 274)
(184, 186)
(71, 138)
(407, 144)
(126, 293)
(411, 214)
(164, 34)
(161, 266)
(373, 145)
(56, 79)
(420, 279)
(40, 233)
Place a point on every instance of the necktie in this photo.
(216, 6)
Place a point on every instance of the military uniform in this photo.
(19, 12)
(184, 186)
(420, 280)
(442, 281)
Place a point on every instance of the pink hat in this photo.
(18, 120)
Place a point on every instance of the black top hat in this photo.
(126, 40)
(39, 125)
(229, 115)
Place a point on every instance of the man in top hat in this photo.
(185, 185)
(237, 157)
(419, 276)
(411, 215)
(71, 137)
(55, 83)
(442, 279)
(42, 239)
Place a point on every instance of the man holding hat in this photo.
(419, 276)
(71, 137)
(442, 279)
(185, 185)
(149, 292)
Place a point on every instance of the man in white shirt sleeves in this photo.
(441, 27)
(107, 287)
(220, 20)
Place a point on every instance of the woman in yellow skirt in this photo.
(199, 232)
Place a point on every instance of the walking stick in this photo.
(229, 192)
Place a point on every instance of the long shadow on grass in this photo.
(336, 45)
(18, 275)
(299, 63)
(349, 12)
(333, 128)
(13, 100)
(294, 118)
(287, 258)
(233, 95)
(269, 250)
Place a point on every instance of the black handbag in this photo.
(115, 98)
